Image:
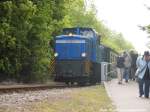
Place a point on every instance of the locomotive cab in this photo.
(86, 32)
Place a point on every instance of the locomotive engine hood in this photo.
(71, 47)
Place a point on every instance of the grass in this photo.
(87, 99)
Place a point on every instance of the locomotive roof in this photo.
(80, 28)
(88, 28)
(109, 48)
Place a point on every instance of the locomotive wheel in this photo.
(81, 83)
(72, 83)
(67, 83)
(93, 83)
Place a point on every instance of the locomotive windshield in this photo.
(68, 31)
(86, 33)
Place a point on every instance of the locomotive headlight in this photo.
(70, 34)
(56, 54)
(83, 54)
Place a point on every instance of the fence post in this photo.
(104, 71)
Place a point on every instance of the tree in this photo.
(146, 28)
(26, 26)
(13, 31)
(79, 16)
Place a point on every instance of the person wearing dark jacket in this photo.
(120, 68)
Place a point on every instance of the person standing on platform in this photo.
(127, 66)
(133, 64)
(120, 68)
(143, 74)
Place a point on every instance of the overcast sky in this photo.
(124, 16)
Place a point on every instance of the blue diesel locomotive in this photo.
(77, 56)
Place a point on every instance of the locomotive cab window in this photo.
(68, 31)
(86, 33)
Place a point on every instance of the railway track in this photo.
(34, 87)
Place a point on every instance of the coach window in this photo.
(98, 39)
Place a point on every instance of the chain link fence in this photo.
(52, 67)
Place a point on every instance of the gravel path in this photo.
(19, 101)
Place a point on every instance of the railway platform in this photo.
(125, 97)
